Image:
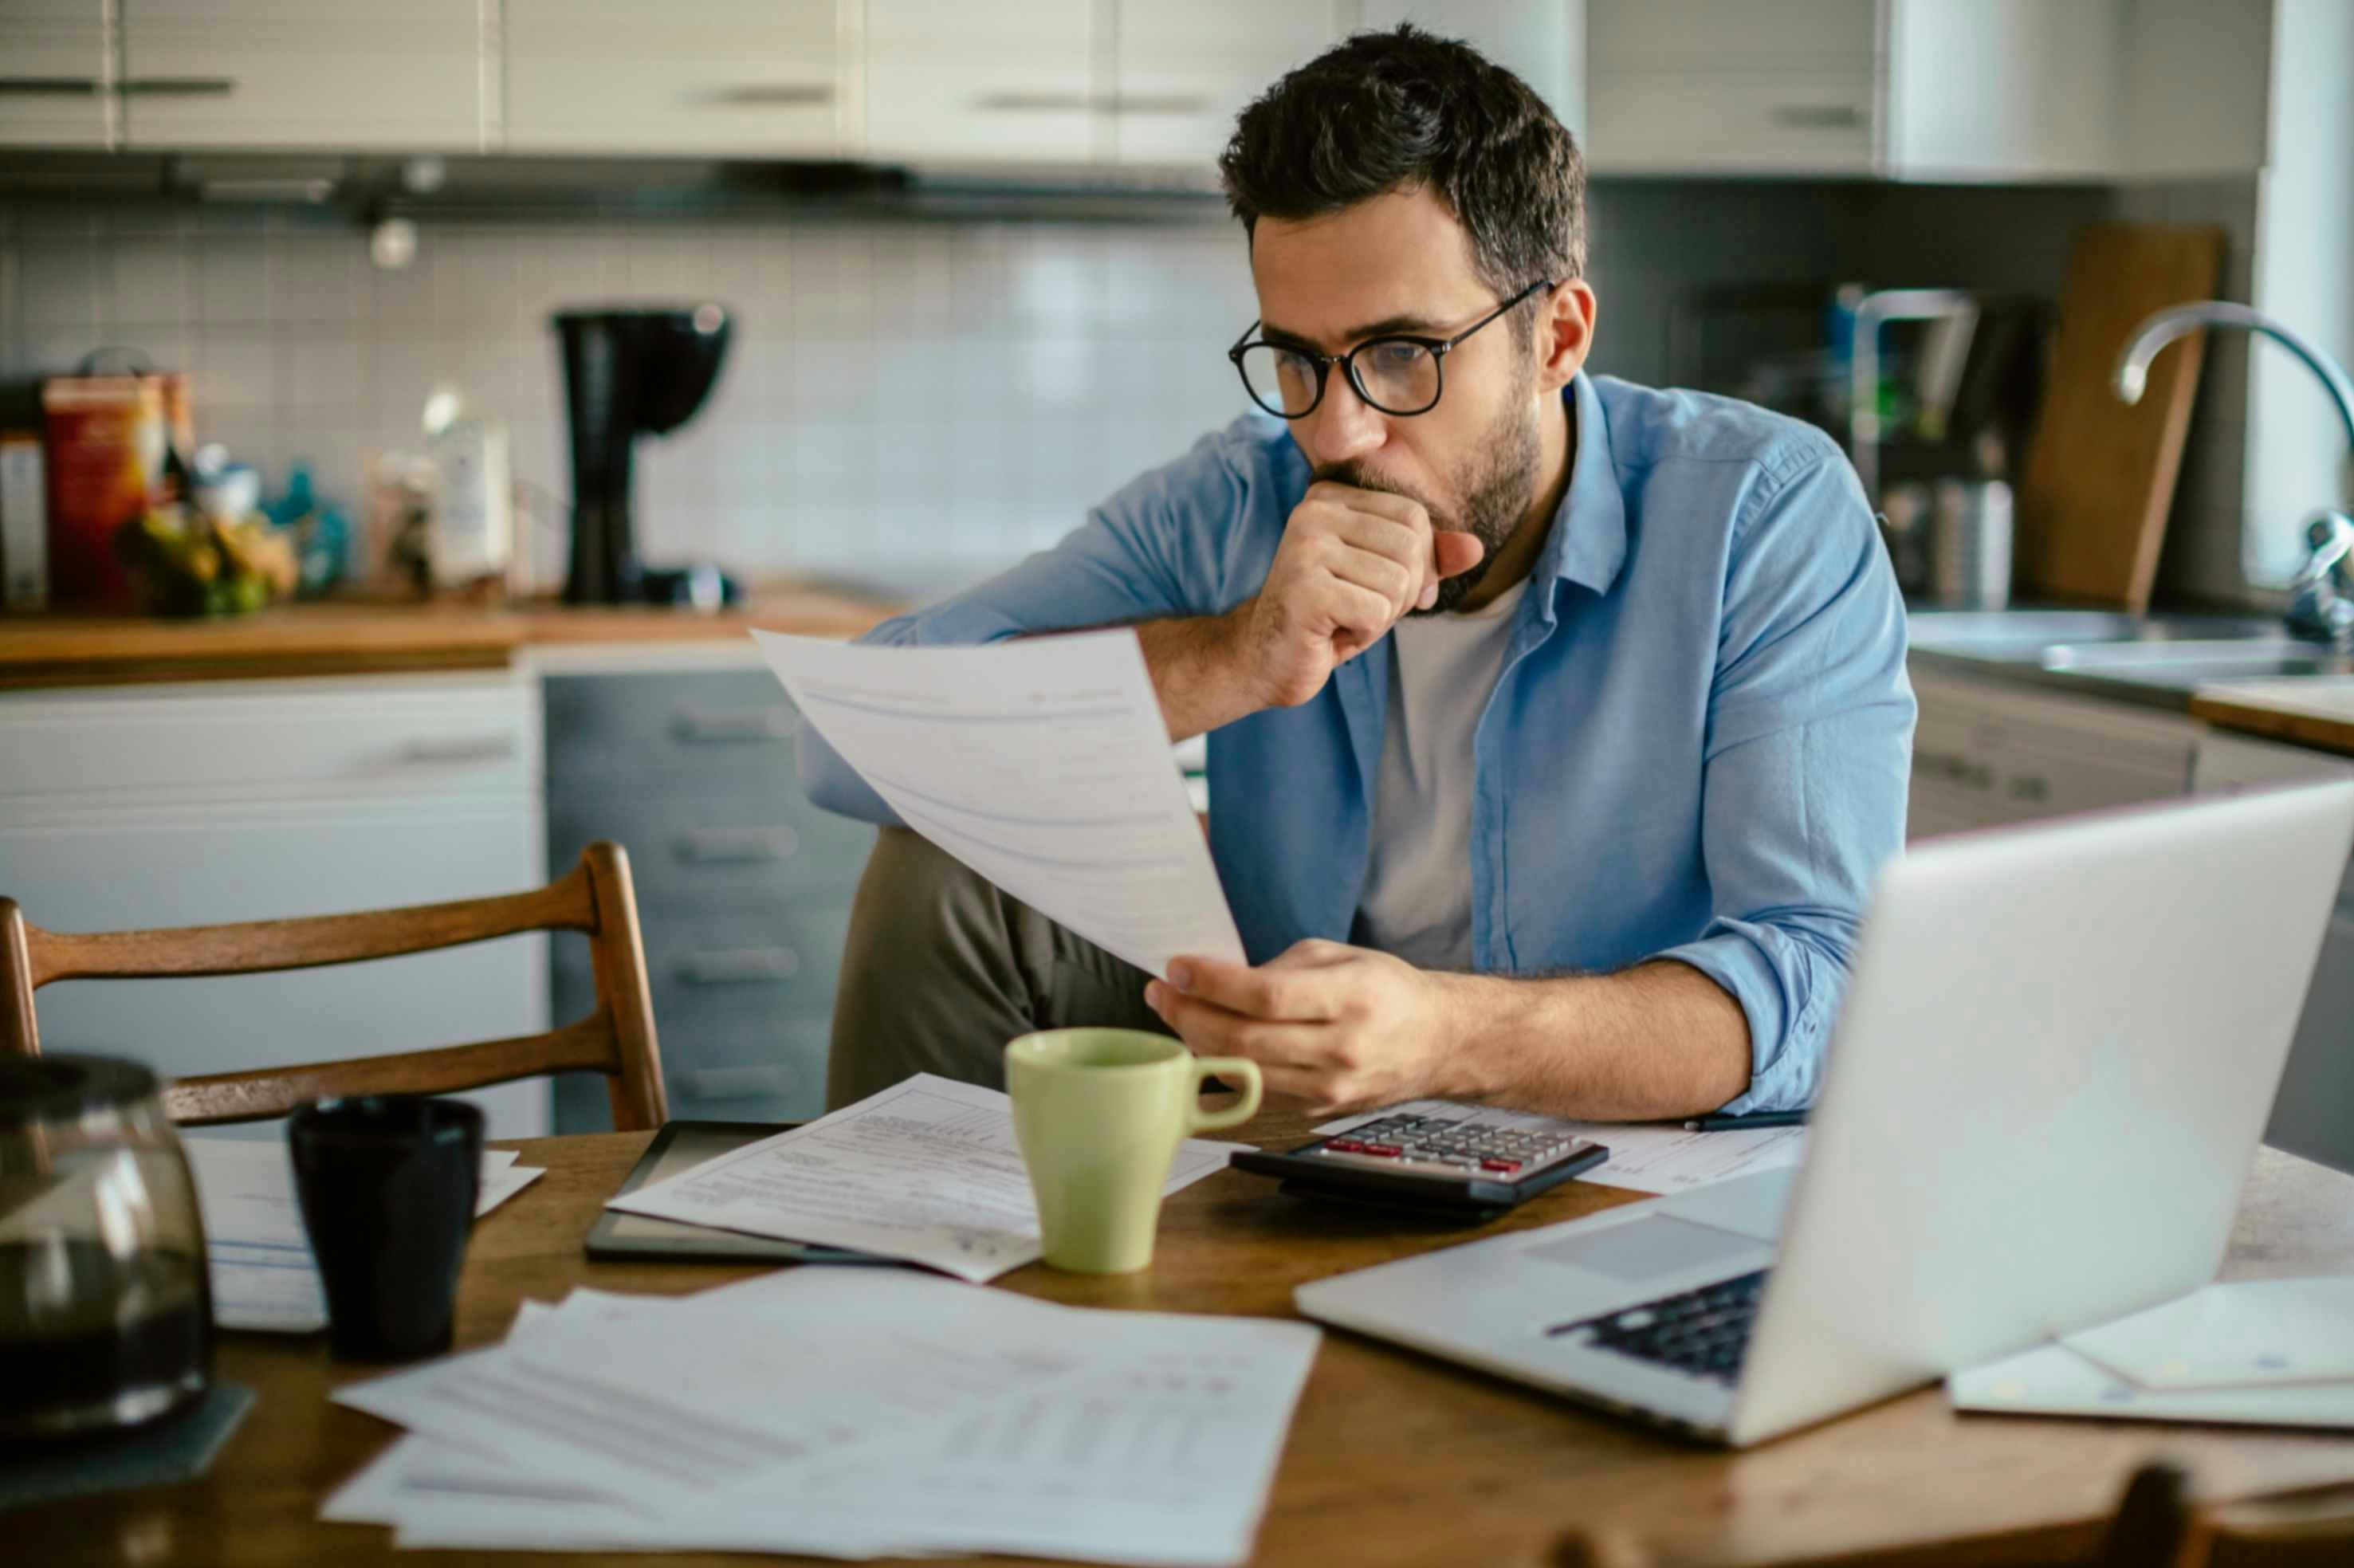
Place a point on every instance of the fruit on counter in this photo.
(190, 563)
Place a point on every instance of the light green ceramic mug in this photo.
(1099, 1114)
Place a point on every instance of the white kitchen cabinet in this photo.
(200, 804)
(1987, 90)
(1184, 73)
(1985, 755)
(1731, 87)
(2314, 1114)
(757, 79)
(334, 75)
(1960, 91)
(54, 70)
(948, 82)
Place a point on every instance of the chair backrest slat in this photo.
(263, 947)
(595, 897)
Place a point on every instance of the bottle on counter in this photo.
(472, 537)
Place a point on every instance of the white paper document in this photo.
(2250, 1331)
(263, 1276)
(1043, 764)
(2052, 1380)
(850, 1417)
(927, 1171)
(1645, 1156)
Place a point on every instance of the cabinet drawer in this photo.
(1795, 123)
(738, 853)
(391, 738)
(726, 730)
(725, 970)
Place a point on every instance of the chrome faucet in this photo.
(2321, 596)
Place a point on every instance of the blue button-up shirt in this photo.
(1697, 749)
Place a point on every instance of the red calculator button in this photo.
(1346, 1146)
(1504, 1165)
(1386, 1150)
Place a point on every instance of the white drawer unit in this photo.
(245, 801)
(1984, 755)
(446, 734)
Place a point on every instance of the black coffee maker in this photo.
(626, 371)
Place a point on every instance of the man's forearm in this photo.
(1657, 1040)
(1196, 674)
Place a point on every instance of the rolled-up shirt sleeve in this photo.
(1148, 553)
(1807, 768)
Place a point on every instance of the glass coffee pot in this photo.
(105, 1314)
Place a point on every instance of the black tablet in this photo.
(680, 1146)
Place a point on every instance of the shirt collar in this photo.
(1588, 542)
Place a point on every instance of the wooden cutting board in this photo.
(2092, 504)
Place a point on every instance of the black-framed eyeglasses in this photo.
(1396, 374)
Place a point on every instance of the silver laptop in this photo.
(2057, 1050)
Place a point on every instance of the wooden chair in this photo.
(594, 897)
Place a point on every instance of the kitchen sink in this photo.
(2194, 662)
(2033, 634)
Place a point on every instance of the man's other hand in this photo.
(1338, 1028)
(1352, 564)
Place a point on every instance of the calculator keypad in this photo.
(1463, 1148)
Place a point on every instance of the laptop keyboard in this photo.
(1703, 1332)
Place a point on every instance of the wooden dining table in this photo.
(1392, 1458)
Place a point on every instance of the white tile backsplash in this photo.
(925, 393)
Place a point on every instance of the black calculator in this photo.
(1459, 1161)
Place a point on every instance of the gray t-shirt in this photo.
(1417, 897)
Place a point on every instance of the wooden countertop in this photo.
(2317, 711)
(337, 638)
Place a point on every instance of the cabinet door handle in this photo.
(727, 727)
(738, 1083)
(734, 846)
(1069, 100)
(50, 86)
(459, 748)
(178, 86)
(737, 965)
(770, 95)
(1818, 116)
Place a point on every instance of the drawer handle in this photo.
(737, 965)
(734, 725)
(738, 1083)
(735, 846)
(459, 748)
(1818, 116)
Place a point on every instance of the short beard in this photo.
(1497, 483)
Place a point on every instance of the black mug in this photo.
(388, 1184)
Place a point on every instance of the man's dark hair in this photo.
(1409, 109)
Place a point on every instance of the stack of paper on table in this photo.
(2272, 1352)
(262, 1274)
(927, 1170)
(1644, 1158)
(845, 1415)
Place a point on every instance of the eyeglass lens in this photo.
(1398, 377)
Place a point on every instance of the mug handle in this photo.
(1231, 1068)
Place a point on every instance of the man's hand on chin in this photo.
(1338, 1028)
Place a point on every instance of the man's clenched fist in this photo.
(1352, 564)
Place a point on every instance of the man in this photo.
(1556, 725)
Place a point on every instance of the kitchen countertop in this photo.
(2315, 711)
(344, 638)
